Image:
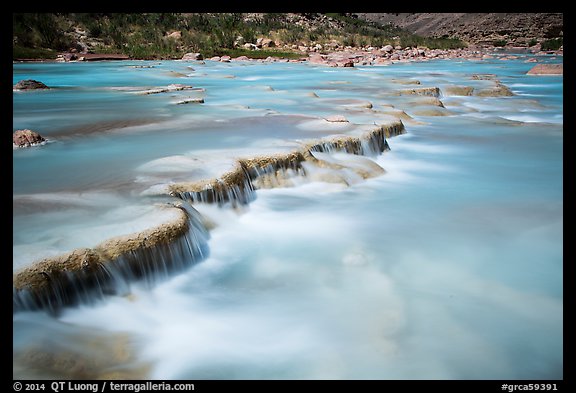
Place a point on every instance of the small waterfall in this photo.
(273, 171)
(85, 275)
(348, 144)
(371, 143)
(238, 186)
(234, 187)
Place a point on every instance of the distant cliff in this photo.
(518, 29)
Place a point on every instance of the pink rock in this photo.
(316, 58)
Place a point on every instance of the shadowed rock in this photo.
(29, 84)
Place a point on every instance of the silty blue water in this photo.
(448, 266)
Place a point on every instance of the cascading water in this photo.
(440, 259)
(86, 275)
(237, 187)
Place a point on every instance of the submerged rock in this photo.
(397, 113)
(93, 355)
(406, 81)
(421, 91)
(498, 90)
(191, 101)
(458, 90)
(482, 77)
(432, 111)
(423, 100)
(170, 88)
(27, 138)
(29, 84)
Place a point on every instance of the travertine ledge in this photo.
(238, 185)
(86, 274)
(93, 272)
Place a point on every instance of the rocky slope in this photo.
(517, 29)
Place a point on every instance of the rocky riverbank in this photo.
(349, 56)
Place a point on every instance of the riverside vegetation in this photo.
(171, 35)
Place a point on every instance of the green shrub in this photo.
(553, 44)
(19, 52)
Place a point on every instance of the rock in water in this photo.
(29, 84)
(547, 69)
(26, 138)
(192, 56)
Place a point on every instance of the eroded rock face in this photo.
(476, 28)
(26, 138)
(29, 84)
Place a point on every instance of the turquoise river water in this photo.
(449, 265)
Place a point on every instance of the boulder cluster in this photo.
(337, 56)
